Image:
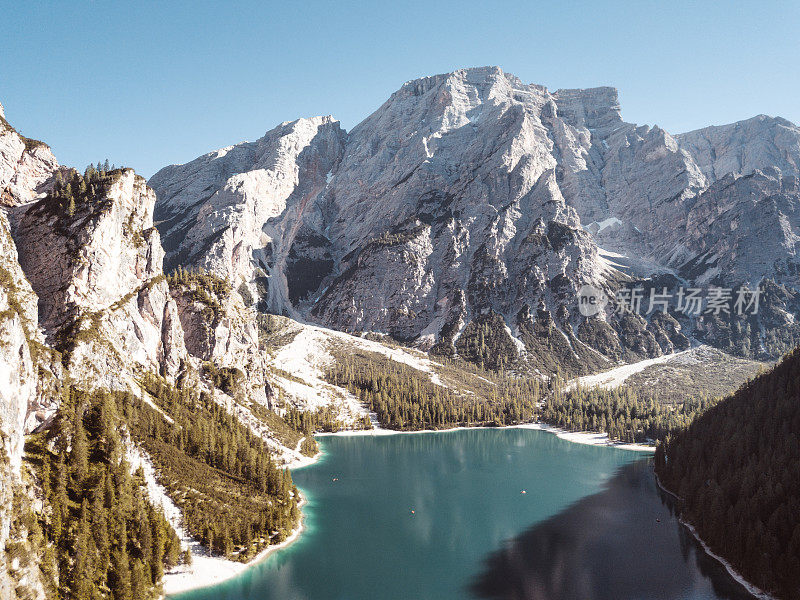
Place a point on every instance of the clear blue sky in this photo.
(148, 84)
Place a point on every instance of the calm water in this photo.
(586, 529)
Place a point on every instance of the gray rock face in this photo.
(219, 328)
(26, 166)
(744, 227)
(245, 203)
(471, 192)
(17, 328)
(393, 223)
(98, 275)
(755, 144)
(21, 387)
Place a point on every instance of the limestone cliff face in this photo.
(24, 385)
(26, 166)
(98, 274)
(221, 329)
(744, 226)
(18, 328)
(245, 201)
(446, 206)
(754, 144)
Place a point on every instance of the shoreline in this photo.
(589, 438)
(300, 463)
(208, 570)
(738, 577)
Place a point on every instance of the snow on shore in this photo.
(616, 377)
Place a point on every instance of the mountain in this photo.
(471, 198)
(734, 472)
(95, 342)
(167, 349)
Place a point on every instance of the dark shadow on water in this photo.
(623, 543)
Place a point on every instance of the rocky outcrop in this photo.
(245, 202)
(26, 166)
(97, 269)
(17, 334)
(21, 388)
(221, 331)
(744, 227)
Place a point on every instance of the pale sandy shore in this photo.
(207, 570)
(305, 461)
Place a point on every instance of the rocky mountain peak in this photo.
(245, 202)
(471, 193)
(742, 147)
(595, 109)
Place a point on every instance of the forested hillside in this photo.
(736, 470)
(651, 403)
(406, 399)
(221, 475)
(100, 536)
(623, 413)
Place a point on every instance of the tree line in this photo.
(71, 189)
(623, 413)
(323, 419)
(406, 399)
(205, 285)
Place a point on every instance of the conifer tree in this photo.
(80, 448)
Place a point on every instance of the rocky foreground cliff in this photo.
(471, 197)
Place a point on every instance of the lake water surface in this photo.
(442, 516)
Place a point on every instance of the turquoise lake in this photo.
(591, 525)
